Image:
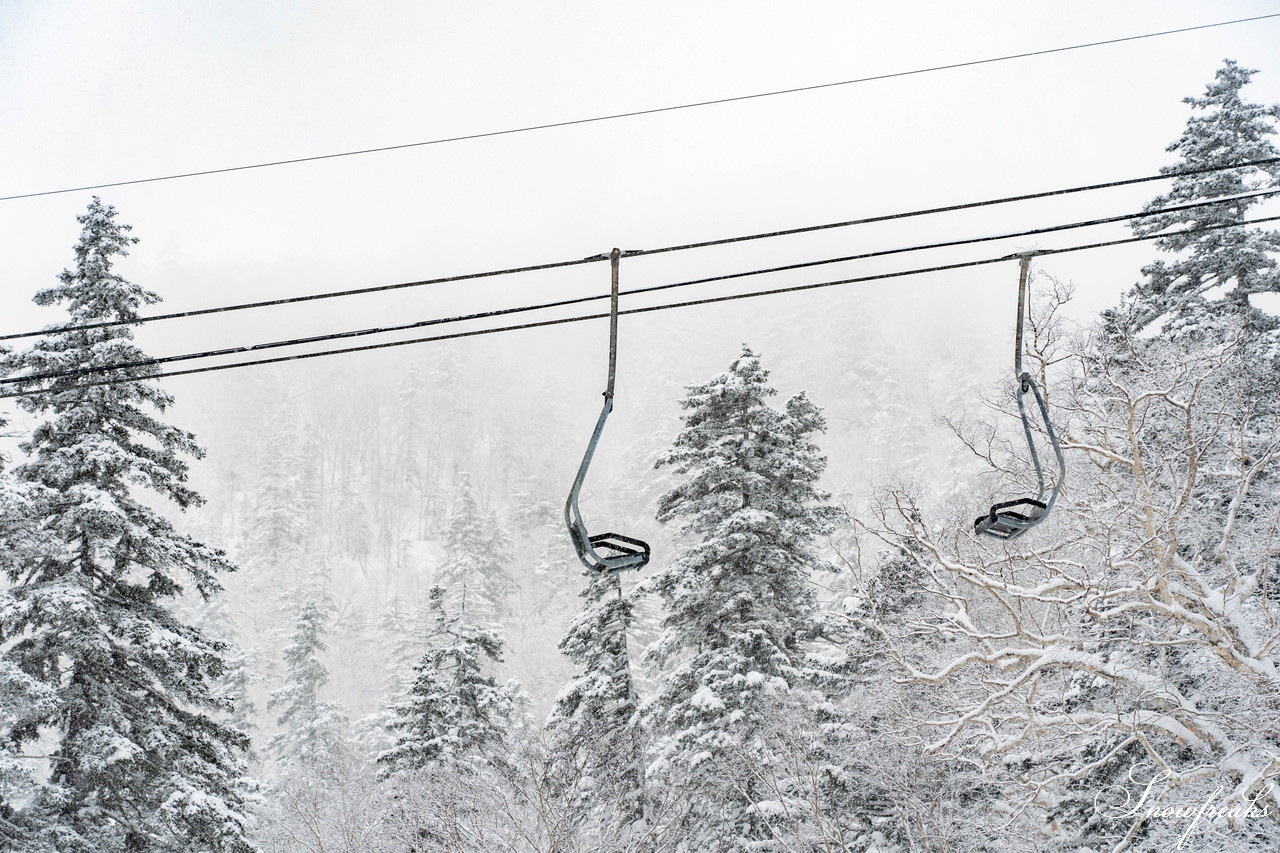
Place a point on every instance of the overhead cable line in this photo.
(644, 310)
(1166, 175)
(418, 324)
(382, 288)
(635, 113)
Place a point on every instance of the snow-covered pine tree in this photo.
(478, 550)
(456, 715)
(235, 686)
(281, 503)
(136, 758)
(740, 611)
(449, 771)
(400, 634)
(597, 748)
(1216, 271)
(316, 796)
(24, 700)
(312, 730)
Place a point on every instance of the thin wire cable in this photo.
(271, 303)
(382, 288)
(418, 324)
(1166, 175)
(644, 310)
(634, 113)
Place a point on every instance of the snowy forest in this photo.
(294, 615)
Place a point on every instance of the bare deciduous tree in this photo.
(1139, 625)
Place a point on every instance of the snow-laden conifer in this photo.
(136, 759)
(235, 686)
(281, 503)
(456, 715)
(740, 611)
(1215, 272)
(401, 636)
(449, 770)
(400, 632)
(596, 741)
(478, 550)
(311, 729)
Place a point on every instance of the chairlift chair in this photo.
(603, 553)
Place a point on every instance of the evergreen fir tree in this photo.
(22, 698)
(456, 716)
(24, 701)
(281, 502)
(402, 639)
(1216, 271)
(739, 608)
(138, 761)
(478, 550)
(235, 685)
(311, 729)
(597, 747)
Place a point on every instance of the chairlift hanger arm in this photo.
(620, 552)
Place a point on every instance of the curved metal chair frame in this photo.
(1011, 519)
(620, 552)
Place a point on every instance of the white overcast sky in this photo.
(93, 92)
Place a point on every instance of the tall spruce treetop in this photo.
(739, 606)
(1217, 270)
(456, 715)
(478, 551)
(401, 638)
(311, 729)
(751, 504)
(278, 510)
(138, 761)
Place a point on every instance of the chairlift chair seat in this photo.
(1003, 522)
(620, 552)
